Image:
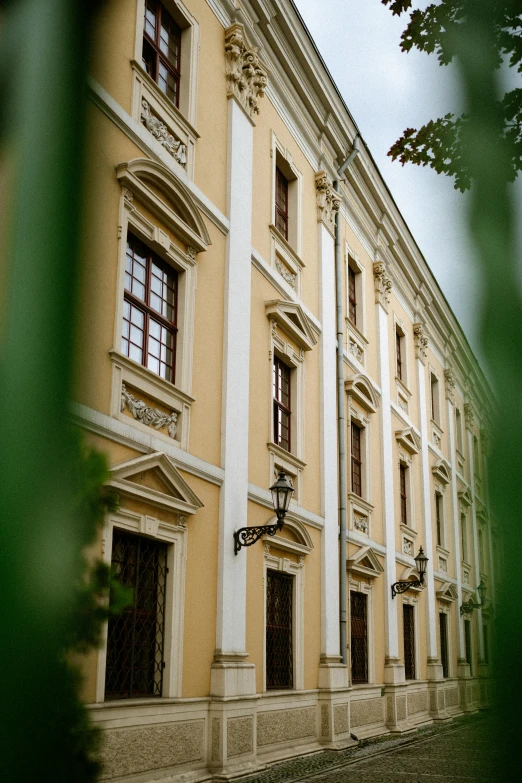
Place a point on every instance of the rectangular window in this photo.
(404, 497)
(282, 409)
(444, 657)
(485, 634)
(149, 310)
(352, 297)
(281, 203)
(161, 52)
(356, 460)
(398, 351)
(135, 637)
(409, 641)
(359, 637)
(467, 641)
(481, 550)
(476, 456)
(434, 386)
(464, 537)
(279, 654)
(439, 515)
(458, 427)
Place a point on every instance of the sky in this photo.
(387, 91)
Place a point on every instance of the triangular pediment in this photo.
(442, 471)
(408, 574)
(409, 439)
(153, 479)
(447, 592)
(361, 389)
(293, 320)
(365, 562)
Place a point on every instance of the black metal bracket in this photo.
(246, 536)
(468, 606)
(401, 587)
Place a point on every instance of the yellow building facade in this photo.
(229, 254)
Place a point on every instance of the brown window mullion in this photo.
(149, 312)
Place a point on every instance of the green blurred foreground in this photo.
(50, 493)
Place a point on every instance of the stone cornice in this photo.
(246, 75)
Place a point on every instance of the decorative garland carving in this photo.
(160, 132)
(328, 202)
(246, 75)
(356, 350)
(469, 416)
(288, 277)
(449, 377)
(383, 284)
(421, 341)
(360, 523)
(151, 417)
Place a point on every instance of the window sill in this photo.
(350, 324)
(139, 379)
(287, 246)
(402, 386)
(408, 530)
(442, 551)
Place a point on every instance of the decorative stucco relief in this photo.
(383, 284)
(449, 377)
(160, 132)
(356, 351)
(246, 75)
(421, 341)
(469, 416)
(151, 417)
(328, 202)
(288, 276)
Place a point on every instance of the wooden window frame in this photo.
(281, 209)
(154, 44)
(356, 463)
(444, 643)
(439, 519)
(279, 405)
(398, 354)
(359, 679)
(409, 655)
(149, 312)
(352, 295)
(403, 491)
(289, 579)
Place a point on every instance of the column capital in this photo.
(469, 416)
(328, 201)
(449, 377)
(421, 341)
(382, 283)
(247, 77)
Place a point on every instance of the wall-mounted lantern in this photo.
(282, 492)
(468, 606)
(421, 561)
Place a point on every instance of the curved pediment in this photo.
(442, 471)
(361, 389)
(166, 197)
(294, 537)
(465, 497)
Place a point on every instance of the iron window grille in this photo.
(438, 516)
(279, 652)
(161, 52)
(282, 404)
(135, 638)
(443, 626)
(356, 462)
(467, 644)
(149, 310)
(352, 297)
(281, 204)
(403, 493)
(398, 351)
(409, 641)
(359, 637)
(464, 536)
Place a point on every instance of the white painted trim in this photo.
(368, 590)
(174, 595)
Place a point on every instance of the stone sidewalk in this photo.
(462, 751)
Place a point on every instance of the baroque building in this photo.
(255, 303)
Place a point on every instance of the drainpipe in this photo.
(340, 408)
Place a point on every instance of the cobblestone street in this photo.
(461, 752)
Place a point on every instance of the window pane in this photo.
(279, 654)
(136, 353)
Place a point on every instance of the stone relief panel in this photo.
(131, 751)
(417, 702)
(366, 711)
(240, 736)
(151, 417)
(285, 725)
(452, 697)
(159, 130)
(401, 708)
(341, 725)
(383, 284)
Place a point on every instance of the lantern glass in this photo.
(282, 492)
(482, 590)
(421, 561)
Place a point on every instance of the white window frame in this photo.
(433, 374)
(274, 562)
(285, 254)
(180, 122)
(360, 508)
(175, 536)
(356, 340)
(359, 586)
(407, 461)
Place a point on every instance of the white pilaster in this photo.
(461, 650)
(231, 600)
(329, 469)
(387, 468)
(476, 558)
(426, 508)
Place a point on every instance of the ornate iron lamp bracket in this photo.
(246, 536)
(468, 606)
(401, 587)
